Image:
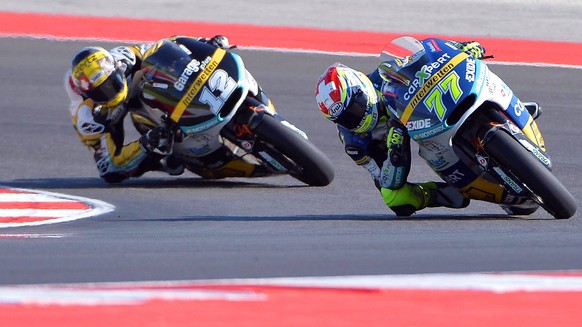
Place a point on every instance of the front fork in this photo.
(240, 131)
(499, 123)
(529, 137)
(492, 183)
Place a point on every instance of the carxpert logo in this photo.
(22, 207)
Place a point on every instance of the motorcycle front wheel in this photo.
(555, 198)
(303, 160)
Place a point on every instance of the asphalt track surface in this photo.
(172, 228)
(185, 228)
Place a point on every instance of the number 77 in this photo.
(434, 100)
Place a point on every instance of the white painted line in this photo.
(306, 51)
(494, 282)
(92, 297)
(550, 281)
(33, 235)
(132, 293)
(360, 54)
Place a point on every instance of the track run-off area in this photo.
(475, 299)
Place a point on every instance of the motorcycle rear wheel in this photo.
(556, 199)
(314, 167)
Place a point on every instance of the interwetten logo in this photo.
(429, 84)
(197, 84)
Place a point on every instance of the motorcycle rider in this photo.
(360, 106)
(102, 91)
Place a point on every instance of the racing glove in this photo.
(220, 41)
(158, 138)
(473, 48)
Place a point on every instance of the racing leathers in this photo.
(101, 129)
(385, 153)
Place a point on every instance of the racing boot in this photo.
(413, 197)
(223, 163)
(156, 162)
(171, 165)
(444, 195)
(233, 168)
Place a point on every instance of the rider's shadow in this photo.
(145, 182)
(343, 217)
(197, 182)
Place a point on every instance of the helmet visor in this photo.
(355, 112)
(108, 90)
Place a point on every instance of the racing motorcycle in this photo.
(471, 128)
(206, 95)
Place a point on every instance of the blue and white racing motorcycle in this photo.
(471, 128)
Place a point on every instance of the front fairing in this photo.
(197, 85)
(429, 84)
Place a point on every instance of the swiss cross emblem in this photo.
(329, 96)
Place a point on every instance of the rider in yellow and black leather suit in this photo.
(102, 91)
